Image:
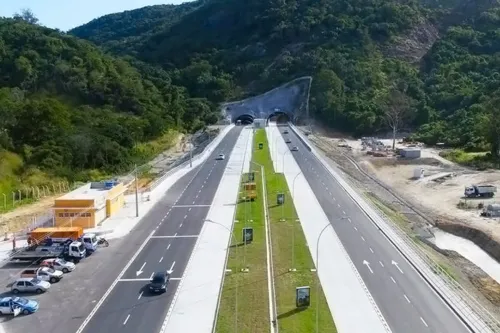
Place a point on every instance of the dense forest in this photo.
(87, 99)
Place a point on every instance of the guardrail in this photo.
(471, 312)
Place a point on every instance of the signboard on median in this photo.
(251, 176)
(261, 145)
(303, 296)
(247, 235)
(280, 199)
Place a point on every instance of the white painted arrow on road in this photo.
(367, 265)
(397, 266)
(140, 271)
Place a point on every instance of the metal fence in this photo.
(472, 313)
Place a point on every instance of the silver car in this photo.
(295, 148)
(221, 157)
(30, 285)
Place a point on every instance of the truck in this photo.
(483, 191)
(57, 234)
(70, 250)
(63, 234)
(43, 273)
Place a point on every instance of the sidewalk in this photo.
(348, 298)
(195, 304)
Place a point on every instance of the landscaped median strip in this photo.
(247, 291)
(244, 304)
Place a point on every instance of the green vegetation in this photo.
(249, 287)
(290, 319)
(479, 160)
(362, 55)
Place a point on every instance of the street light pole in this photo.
(283, 158)
(293, 184)
(237, 283)
(136, 193)
(276, 153)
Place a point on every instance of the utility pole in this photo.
(136, 192)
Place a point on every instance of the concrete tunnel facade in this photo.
(290, 99)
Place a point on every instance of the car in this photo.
(43, 273)
(288, 141)
(220, 157)
(16, 305)
(295, 148)
(285, 132)
(159, 282)
(30, 285)
(59, 264)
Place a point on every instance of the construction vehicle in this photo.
(69, 250)
(483, 191)
(250, 190)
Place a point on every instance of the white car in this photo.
(59, 264)
(295, 148)
(221, 157)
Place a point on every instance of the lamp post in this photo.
(317, 272)
(283, 160)
(237, 283)
(293, 183)
(276, 153)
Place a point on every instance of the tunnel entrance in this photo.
(245, 119)
(279, 118)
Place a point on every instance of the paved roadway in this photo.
(176, 220)
(408, 304)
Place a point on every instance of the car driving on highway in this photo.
(288, 140)
(285, 132)
(295, 148)
(220, 157)
(159, 282)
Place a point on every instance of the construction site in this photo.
(423, 193)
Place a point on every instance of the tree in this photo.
(26, 15)
(490, 123)
(396, 107)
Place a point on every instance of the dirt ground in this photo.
(435, 202)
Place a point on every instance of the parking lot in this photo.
(66, 304)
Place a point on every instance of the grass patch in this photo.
(290, 319)
(250, 288)
(477, 160)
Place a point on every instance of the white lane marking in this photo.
(334, 199)
(363, 239)
(348, 219)
(423, 321)
(135, 280)
(407, 299)
(140, 295)
(152, 275)
(168, 247)
(172, 267)
(189, 209)
(126, 319)
(381, 264)
(355, 228)
(161, 259)
(140, 269)
(175, 236)
(338, 205)
(343, 212)
(393, 279)
(371, 250)
(194, 202)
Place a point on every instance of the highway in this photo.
(163, 240)
(407, 302)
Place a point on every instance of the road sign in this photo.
(303, 296)
(261, 145)
(247, 235)
(280, 199)
(251, 176)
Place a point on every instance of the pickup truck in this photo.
(43, 273)
(16, 305)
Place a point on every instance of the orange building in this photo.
(89, 205)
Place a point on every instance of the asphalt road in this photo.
(175, 221)
(408, 304)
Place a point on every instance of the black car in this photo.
(159, 282)
(285, 132)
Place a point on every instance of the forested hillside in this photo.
(354, 49)
(66, 108)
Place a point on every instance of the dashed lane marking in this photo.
(190, 206)
(126, 319)
(177, 236)
(145, 279)
(393, 279)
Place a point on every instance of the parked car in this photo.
(59, 264)
(221, 157)
(159, 282)
(43, 273)
(295, 148)
(30, 285)
(17, 305)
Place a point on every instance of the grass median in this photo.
(287, 234)
(246, 291)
